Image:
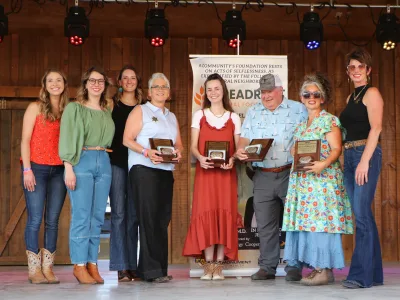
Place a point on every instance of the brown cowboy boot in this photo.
(94, 272)
(47, 266)
(316, 277)
(35, 268)
(81, 274)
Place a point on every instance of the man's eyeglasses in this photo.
(307, 95)
(352, 68)
(160, 87)
(93, 81)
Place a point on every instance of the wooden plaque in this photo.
(166, 147)
(306, 152)
(257, 149)
(217, 152)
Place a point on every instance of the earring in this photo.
(120, 89)
(368, 79)
(348, 79)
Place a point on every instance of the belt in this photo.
(97, 148)
(352, 144)
(275, 170)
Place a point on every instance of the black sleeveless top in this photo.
(354, 117)
(119, 156)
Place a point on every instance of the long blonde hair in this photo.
(82, 93)
(45, 107)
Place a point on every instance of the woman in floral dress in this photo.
(317, 208)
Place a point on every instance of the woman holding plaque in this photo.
(317, 209)
(214, 209)
(362, 119)
(153, 205)
(124, 223)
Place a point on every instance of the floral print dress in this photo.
(318, 203)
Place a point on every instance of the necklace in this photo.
(358, 95)
(218, 116)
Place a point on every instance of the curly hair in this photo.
(82, 93)
(45, 107)
(138, 90)
(225, 98)
(322, 82)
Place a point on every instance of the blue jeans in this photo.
(366, 263)
(124, 223)
(88, 205)
(49, 191)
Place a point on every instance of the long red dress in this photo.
(214, 207)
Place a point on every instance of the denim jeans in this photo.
(366, 263)
(49, 191)
(88, 205)
(124, 223)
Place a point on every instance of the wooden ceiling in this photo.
(121, 20)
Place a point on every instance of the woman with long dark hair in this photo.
(124, 223)
(214, 209)
(87, 130)
(42, 174)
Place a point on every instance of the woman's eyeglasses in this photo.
(93, 81)
(307, 95)
(160, 87)
(352, 68)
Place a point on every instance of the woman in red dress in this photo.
(214, 209)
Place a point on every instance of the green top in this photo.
(82, 126)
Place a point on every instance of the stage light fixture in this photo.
(232, 27)
(76, 26)
(156, 27)
(388, 30)
(3, 24)
(311, 30)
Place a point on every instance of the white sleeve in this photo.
(196, 119)
(237, 122)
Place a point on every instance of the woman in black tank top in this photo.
(124, 223)
(362, 119)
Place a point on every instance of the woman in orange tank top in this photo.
(42, 174)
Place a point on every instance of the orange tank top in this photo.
(44, 142)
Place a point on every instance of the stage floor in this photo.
(14, 285)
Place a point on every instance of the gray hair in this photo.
(321, 82)
(156, 76)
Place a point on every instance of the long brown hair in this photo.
(225, 98)
(45, 107)
(138, 90)
(82, 93)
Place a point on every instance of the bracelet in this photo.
(146, 153)
(27, 169)
(142, 152)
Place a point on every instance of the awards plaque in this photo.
(305, 152)
(257, 149)
(217, 152)
(165, 147)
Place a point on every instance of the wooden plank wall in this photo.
(23, 66)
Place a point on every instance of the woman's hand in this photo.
(29, 181)
(178, 154)
(229, 165)
(70, 179)
(316, 167)
(362, 172)
(154, 156)
(205, 163)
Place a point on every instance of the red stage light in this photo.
(76, 40)
(234, 43)
(157, 42)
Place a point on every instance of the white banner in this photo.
(242, 75)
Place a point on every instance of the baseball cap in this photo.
(269, 82)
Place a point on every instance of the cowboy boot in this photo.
(47, 266)
(316, 277)
(94, 272)
(208, 271)
(217, 274)
(81, 274)
(35, 268)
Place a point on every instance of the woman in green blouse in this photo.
(87, 130)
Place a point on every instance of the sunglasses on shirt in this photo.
(315, 95)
